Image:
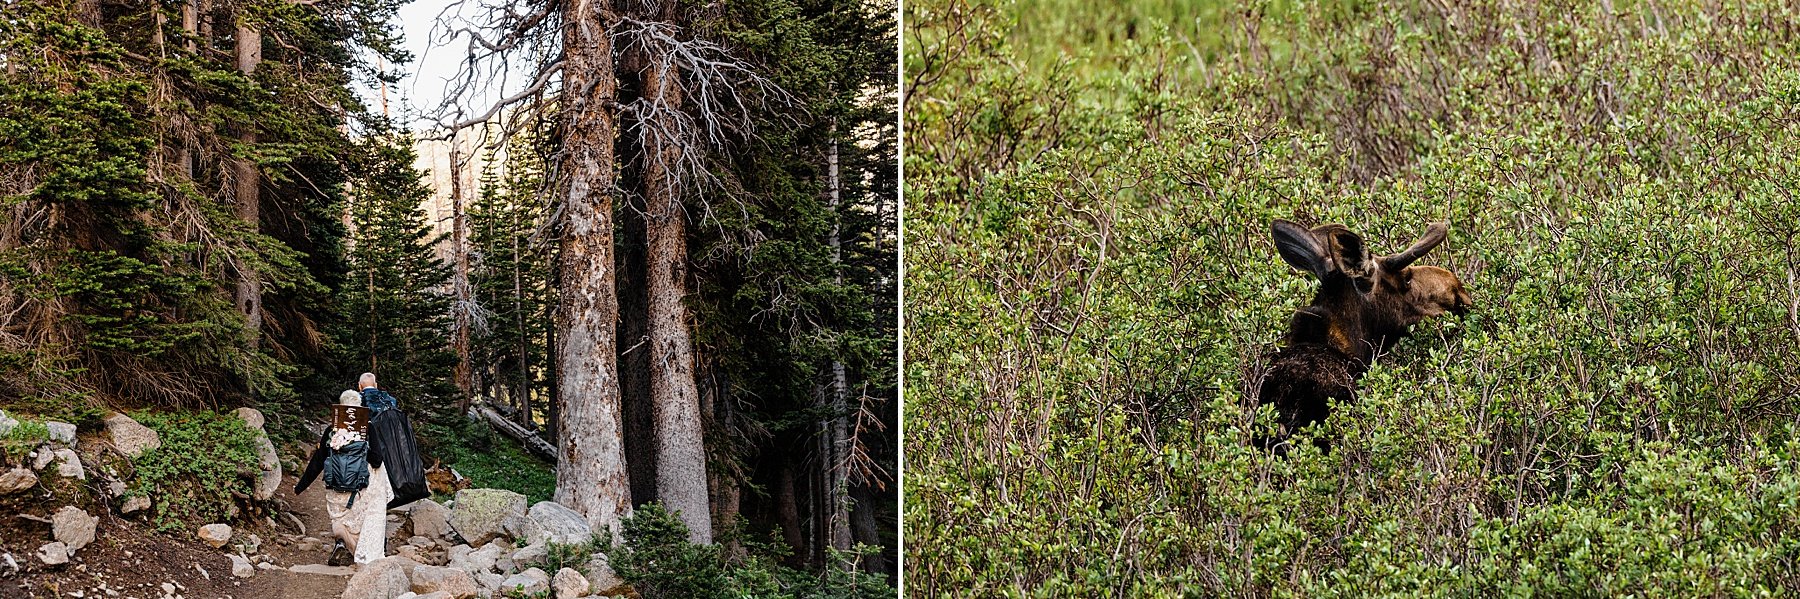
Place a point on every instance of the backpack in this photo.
(347, 469)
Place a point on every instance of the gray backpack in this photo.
(347, 469)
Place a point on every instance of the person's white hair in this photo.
(366, 380)
(350, 398)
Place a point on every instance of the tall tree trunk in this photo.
(787, 511)
(590, 469)
(459, 279)
(248, 179)
(837, 429)
(680, 434)
(520, 318)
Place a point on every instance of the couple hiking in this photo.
(370, 464)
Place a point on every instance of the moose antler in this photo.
(1434, 236)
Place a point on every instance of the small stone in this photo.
(53, 554)
(431, 579)
(115, 488)
(131, 438)
(430, 519)
(241, 567)
(134, 504)
(527, 582)
(485, 558)
(41, 458)
(569, 584)
(7, 423)
(490, 580)
(379, 579)
(73, 527)
(531, 554)
(437, 595)
(61, 432)
(322, 570)
(68, 465)
(601, 578)
(216, 535)
(17, 480)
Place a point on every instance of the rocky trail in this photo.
(66, 532)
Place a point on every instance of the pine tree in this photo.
(394, 309)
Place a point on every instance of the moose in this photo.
(1364, 305)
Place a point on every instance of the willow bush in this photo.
(1091, 294)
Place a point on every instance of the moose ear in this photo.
(1299, 248)
(1351, 255)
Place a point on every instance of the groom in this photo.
(374, 398)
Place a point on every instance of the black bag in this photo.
(347, 469)
(400, 455)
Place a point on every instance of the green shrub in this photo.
(487, 459)
(23, 438)
(191, 478)
(658, 561)
(1091, 291)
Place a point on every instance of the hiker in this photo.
(357, 490)
(373, 397)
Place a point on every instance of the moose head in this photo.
(1365, 303)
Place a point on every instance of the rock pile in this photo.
(433, 564)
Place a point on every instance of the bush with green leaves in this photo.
(1091, 295)
(197, 473)
(657, 560)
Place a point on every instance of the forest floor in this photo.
(130, 559)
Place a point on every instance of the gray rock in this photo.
(569, 584)
(601, 578)
(482, 515)
(17, 480)
(485, 558)
(216, 535)
(266, 458)
(252, 418)
(432, 579)
(322, 570)
(552, 522)
(115, 488)
(61, 432)
(131, 438)
(490, 580)
(241, 567)
(437, 595)
(459, 558)
(68, 465)
(73, 526)
(53, 554)
(379, 579)
(530, 555)
(527, 582)
(268, 483)
(41, 458)
(7, 423)
(430, 519)
(134, 504)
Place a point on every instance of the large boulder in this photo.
(430, 519)
(549, 521)
(528, 582)
(61, 432)
(252, 418)
(73, 527)
(268, 483)
(431, 579)
(482, 515)
(216, 535)
(569, 584)
(131, 438)
(17, 480)
(379, 579)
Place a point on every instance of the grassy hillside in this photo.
(1091, 292)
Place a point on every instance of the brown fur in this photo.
(1365, 303)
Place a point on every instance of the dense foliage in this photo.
(1091, 292)
(197, 475)
(656, 559)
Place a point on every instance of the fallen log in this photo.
(532, 442)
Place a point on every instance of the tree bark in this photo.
(681, 481)
(837, 429)
(590, 470)
(248, 184)
(459, 279)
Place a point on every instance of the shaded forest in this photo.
(687, 276)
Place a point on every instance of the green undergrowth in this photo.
(1091, 294)
(198, 473)
(657, 560)
(488, 459)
